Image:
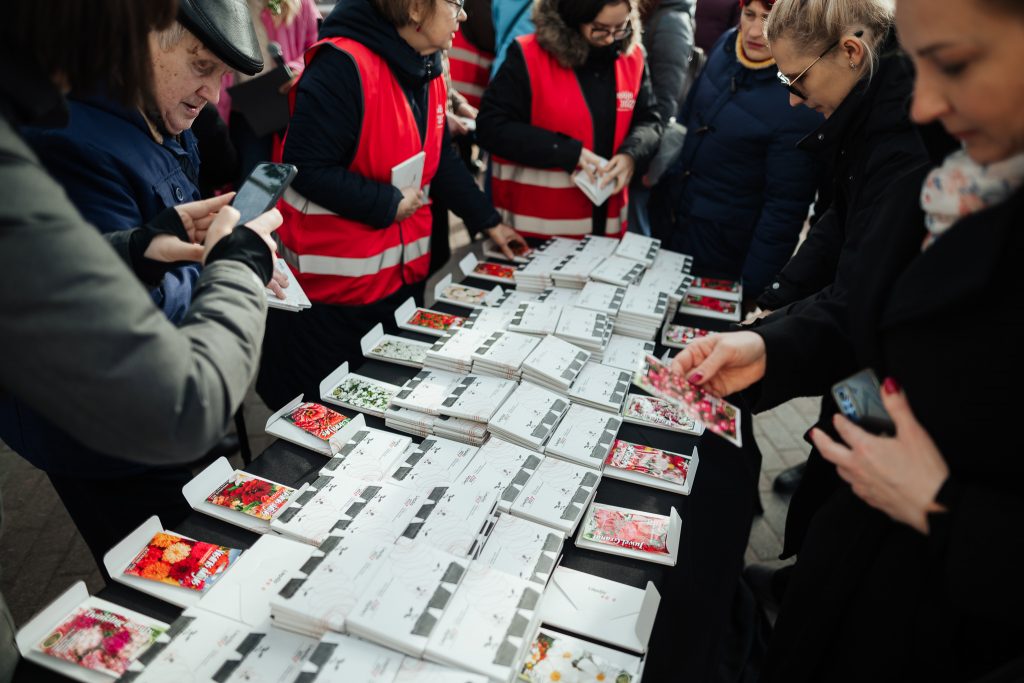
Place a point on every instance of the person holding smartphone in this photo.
(911, 569)
(371, 99)
(80, 339)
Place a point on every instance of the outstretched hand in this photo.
(723, 363)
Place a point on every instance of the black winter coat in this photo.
(872, 599)
(868, 143)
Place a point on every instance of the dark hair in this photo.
(1014, 7)
(397, 12)
(96, 45)
(577, 12)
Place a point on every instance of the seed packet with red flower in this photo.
(489, 270)
(723, 289)
(435, 320)
(710, 306)
(183, 562)
(318, 420)
(720, 416)
(251, 495)
(100, 640)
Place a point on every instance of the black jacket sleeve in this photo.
(645, 132)
(456, 187)
(322, 138)
(503, 127)
(812, 268)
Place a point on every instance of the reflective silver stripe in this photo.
(464, 88)
(302, 204)
(539, 177)
(416, 249)
(463, 55)
(310, 264)
(543, 226)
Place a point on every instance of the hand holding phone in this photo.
(859, 398)
(262, 189)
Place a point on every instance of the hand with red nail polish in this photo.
(723, 363)
(899, 475)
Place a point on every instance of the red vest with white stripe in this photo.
(341, 261)
(470, 69)
(546, 202)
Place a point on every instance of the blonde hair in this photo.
(813, 25)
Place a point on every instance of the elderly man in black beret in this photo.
(121, 166)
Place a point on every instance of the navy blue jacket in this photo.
(119, 177)
(741, 189)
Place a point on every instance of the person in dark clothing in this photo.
(910, 569)
(741, 189)
(371, 98)
(575, 92)
(714, 18)
(668, 39)
(121, 167)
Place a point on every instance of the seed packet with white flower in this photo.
(357, 392)
(391, 349)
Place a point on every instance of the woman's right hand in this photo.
(723, 363)
(590, 164)
(412, 201)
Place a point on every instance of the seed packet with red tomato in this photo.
(720, 416)
(318, 420)
(183, 562)
(251, 495)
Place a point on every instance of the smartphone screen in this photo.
(262, 189)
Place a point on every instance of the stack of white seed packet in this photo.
(554, 364)
(502, 354)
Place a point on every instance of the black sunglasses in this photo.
(790, 85)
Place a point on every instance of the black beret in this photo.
(225, 28)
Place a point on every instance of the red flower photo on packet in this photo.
(178, 561)
(710, 303)
(730, 286)
(251, 496)
(318, 420)
(495, 270)
(720, 416)
(436, 321)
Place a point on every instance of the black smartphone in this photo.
(859, 398)
(262, 189)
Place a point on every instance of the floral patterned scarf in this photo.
(962, 186)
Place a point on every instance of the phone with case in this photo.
(859, 398)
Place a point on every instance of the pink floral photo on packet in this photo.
(631, 530)
(720, 416)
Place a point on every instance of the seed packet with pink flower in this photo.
(679, 336)
(251, 495)
(710, 306)
(630, 533)
(181, 561)
(720, 416)
(650, 466)
(100, 639)
(318, 420)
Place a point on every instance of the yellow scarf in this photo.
(742, 58)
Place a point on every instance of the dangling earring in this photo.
(419, 27)
(852, 65)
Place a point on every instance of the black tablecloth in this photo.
(688, 641)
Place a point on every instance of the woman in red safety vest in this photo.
(574, 97)
(368, 110)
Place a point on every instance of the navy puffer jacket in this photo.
(738, 196)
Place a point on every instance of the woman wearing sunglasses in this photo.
(841, 58)
(910, 569)
(566, 97)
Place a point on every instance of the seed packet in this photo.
(435, 320)
(628, 529)
(656, 412)
(179, 561)
(100, 640)
(679, 336)
(251, 495)
(720, 416)
(318, 420)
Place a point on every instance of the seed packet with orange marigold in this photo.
(251, 496)
(195, 565)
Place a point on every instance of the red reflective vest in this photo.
(344, 262)
(545, 202)
(470, 69)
